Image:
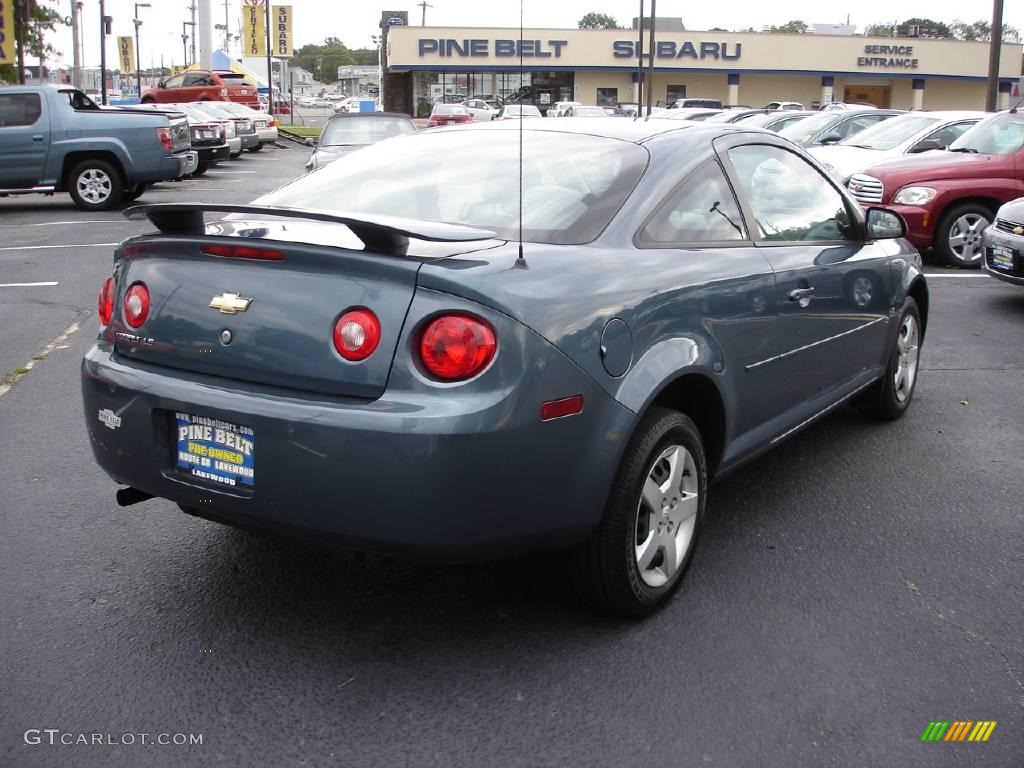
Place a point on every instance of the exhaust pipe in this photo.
(128, 496)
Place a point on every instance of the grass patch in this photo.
(20, 371)
(38, 357)
(302, 131)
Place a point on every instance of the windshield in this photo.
(572, 184)
(804, 131)
(208, 110)
(891, 133)
(728, 116)
(759, 120)
(997, 135)
(589, 112)
(363, 130)
(452, 109)
(525, 110)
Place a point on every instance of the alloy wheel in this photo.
(94, 186)
(907, 351)
(666, 515)
(965, 237)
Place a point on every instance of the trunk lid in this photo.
(284, 335)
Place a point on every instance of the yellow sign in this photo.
(8, 54)
(254, 30)
(126, 54)
(282, 31)
(177, 69)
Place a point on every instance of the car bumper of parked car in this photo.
(250, 140)
(445, 479)
(267, 135)
(920, 223)
(1003, 256)
(170, 167)
(213, 154)
(234, 146)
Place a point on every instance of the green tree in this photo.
(598, 21)
(364, 56)
(925, 28)
(795, 27)
(981, 31)
(42, 19)
(323, 60)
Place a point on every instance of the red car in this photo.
(948, 198)
(443, 114)
(201, 85)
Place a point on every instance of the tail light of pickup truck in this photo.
(164, 135)
(224, 94)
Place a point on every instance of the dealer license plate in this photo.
(216, 451)
(244, 91)
(1002, 257)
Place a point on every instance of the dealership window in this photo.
(607, 97)
(676, 92)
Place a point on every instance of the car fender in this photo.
(661, 364)
(94, 145)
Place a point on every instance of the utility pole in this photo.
(104, 27)
(21, 37)
(995, 46)
(192, 7)
(184, 41)
(270, 64)
(424, 5)
(227, 28)
(138, 65)
(76, 43)
(650, 66)
(640, 62)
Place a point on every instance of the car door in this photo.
(718, 281)
(24, 139)
(195, 86)
(834, 288)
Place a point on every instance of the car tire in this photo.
(637, 557)
(95, 185)
(965, 221)
(257, 148)
(235, 157)
(148, 100)
(201, 169)
(889, 398)
(130, 195)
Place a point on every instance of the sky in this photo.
(355, 22)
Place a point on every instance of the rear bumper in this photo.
(213, 154)
(169, 167)
(423, 472)
(267, 135)
(249, 140)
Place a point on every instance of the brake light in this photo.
(457, 347)
(166, 141)
(241, 252)
(272, 124)
(356, 334)
(136, 305)
(105, 305)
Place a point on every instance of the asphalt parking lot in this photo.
(851, 586)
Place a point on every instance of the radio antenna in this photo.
(521, 261)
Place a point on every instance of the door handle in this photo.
(37, 137)
(801, 295)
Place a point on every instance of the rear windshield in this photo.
(572, 184)
(346, 131)
(891, 133)
(525, 109)
(589, 112)
(450, 109)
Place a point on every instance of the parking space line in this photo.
(25, 285)
(10, 380)
(947, 274)
(48, 247)
(61, 223)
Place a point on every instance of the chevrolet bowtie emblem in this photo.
(230, 303)
(1018, 230)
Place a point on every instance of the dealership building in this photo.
(425, 65)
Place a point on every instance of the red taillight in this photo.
(105, 305)
(165, 138)
(241, 252)
(272, 124)
(356, 334)
(224, 93)
(556, 409)
(457, 347)
(136, 305)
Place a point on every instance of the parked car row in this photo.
(56, 139)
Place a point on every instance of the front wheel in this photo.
(95, 185)
(890, 397)
(958, 236)
(643, 546)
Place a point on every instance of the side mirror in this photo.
(832, 138)
(884, 224)
(310, 141)
(926, 146)
(162, 84)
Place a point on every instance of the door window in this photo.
(790, 200)
(947, 134)
(701, 210)
(607, 97)
(175, 82)
(19, 109)
(854, 125)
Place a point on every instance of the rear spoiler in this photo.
(383, 234)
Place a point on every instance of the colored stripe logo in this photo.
(958, 730)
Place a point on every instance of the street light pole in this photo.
(995, 47)
(184, 40)
(103, 52)
(138, 65)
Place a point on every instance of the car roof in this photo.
(950, 114)
(350, 115)
(636, 130)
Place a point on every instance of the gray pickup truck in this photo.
(56, 139)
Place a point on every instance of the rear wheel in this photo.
(135, 192)
(958, 236)
(640, 552)
(95, 185)
(890, 397)
(201, 169)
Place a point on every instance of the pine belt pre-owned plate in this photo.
(216, 451)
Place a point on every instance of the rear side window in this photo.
(701, 210)
(19, 109)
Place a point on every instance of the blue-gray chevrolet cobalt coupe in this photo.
(407, 353)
